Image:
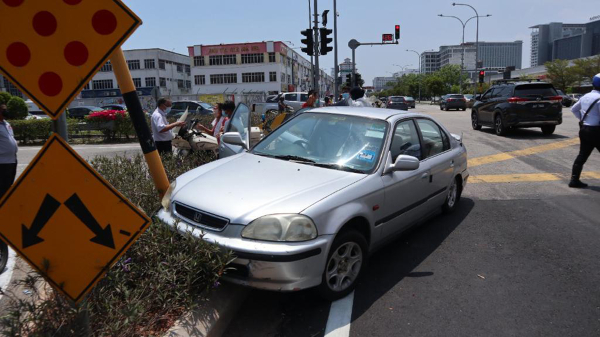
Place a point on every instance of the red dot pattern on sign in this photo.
(104, 22)
(18, 54)
(13, 3)
(44, 23)
(50, 84)
(72, 2)
(76, 53)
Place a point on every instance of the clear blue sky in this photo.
(177, 24)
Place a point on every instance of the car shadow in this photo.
(524, 134)
(399, 259)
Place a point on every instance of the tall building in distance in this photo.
(346, 68)
(564, 41)
(383, 83)
(430, 62)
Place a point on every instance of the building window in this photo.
(179, 67)
(188, 84)
(229, 59)
(198, 61)
(273, 76)
(282, 78)
(200, 80)
(149, 64)
(86, 86)
(106, 67)
(188, 70)
(215, 60)
(272, 57)
(102, 84)
(163, 82)
(161, 64)
(180, 84)
(253, 58)
(223, 78)
(150, 81)
(137, 82)
(253, 77)
(133, 64)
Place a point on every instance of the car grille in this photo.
(200, 218)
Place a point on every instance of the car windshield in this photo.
(408, 98)
(468, 96)
(206, 106)
(455, 96)
(341, 142)
(535, 90)
(96, 109)
(397, 99)
(560, 92)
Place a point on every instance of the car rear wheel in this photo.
(453, 196)
(499, 125)
(475, 121)
(345, 263)
(548, 129)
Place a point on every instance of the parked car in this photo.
(470, 100)
(80, 112)
(118, 107)
(195, 108)
(518, 105)
(320, 194)
(453, 101)
(397, 103)
(293, 99)
(567, 101)
(410, 102)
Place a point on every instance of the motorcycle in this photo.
(190, 140)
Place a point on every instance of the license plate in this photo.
(538, 106)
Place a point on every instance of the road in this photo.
(519, 256)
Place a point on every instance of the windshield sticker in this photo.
(376, 126)
(367, 156)
(374, 134)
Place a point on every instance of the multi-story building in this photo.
(346, 68)
(406, 72)
(252, 68)
(383, 83)
(430, 62)
(543, 38)
(5, 85)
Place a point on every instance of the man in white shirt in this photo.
(587, 110)
(161, 130)
(8, 153)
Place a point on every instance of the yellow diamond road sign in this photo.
(67, 221)
(50, 49)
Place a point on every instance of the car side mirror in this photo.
(406, 163)
(234, 138)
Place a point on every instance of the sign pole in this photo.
(59, 126)
(134, 107)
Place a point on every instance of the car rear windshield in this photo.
(456, 96)
(397, 99)
(409, 98)
(535, 90)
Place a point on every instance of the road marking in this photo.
(525, 178)
(340, 314)
(524, 152)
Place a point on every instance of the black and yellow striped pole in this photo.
(134, 107)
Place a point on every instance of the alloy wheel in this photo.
(452, 193)
(344, 266)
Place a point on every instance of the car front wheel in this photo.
(475, 121)
(345, 263)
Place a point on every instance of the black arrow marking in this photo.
(104, 236)
(46, 211)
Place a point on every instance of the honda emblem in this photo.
(197, 217)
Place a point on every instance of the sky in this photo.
(176, 24)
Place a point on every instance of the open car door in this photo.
(240, 123)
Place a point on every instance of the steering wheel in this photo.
(302, 142)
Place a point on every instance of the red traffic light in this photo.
(481, 73)
(397, 32)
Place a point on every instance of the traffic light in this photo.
(397, 32)
(349, 80)
(308, 42)
(481, 76)
(325, 40)
(358, 80)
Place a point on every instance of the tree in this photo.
(586, 69)
(561, 75)
(435, 85)
(4, 97)
(17, 109)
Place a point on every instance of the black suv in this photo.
(518, 105)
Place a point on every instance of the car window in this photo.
(178, 106)
(535, 90)
(291, 97)
(560, 92)
(303, 97)
(405, 141)
(397, 99)
(410, 98)
(239, 121)
(206, 106)
(503, 92)
(456, 96)
(433, 142)
(487, 95)
(193, 106)
(271, 99)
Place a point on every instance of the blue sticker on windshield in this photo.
(366, 155)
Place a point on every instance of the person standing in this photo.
(161, 129)
(281, 104)
(8, 153)
(587, 110)
(216, 124)
(310, 101)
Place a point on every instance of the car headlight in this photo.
(166, 200)
(281, 227)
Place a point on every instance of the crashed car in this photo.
(308, 204)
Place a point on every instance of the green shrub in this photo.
(162, 275)
(4, 97)
(17, 109)
(32, 129)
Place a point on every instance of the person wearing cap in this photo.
(587, 110)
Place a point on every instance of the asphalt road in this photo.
(519, 257)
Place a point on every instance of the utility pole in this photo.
(316, 52)
(312, 62)
(335, 53)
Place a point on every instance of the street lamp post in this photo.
(419, 55)
(476, 41)
(462, 58)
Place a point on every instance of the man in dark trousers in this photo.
(8, 153)
(587, 110)
(161, 129)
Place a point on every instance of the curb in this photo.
(213, 316)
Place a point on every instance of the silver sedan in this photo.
(307, 205)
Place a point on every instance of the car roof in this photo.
(520, 83)
(86, 106)
(374, 113)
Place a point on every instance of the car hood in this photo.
(244, 187)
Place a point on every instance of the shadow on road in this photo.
(534, 133)
(392, 264)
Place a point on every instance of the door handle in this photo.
(452, 164)
(425, 175)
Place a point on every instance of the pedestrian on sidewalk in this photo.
(8, 153)
(161, 129)
(587, 110)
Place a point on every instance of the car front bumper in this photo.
(278, 266)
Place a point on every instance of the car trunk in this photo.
(537, 102)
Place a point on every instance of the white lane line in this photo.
(6, 275)
(340, 315)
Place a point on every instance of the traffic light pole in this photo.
(353, 44)
(316, 71)
(336, 86)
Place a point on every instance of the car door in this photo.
(486, 108)
(292, 100)
(438, 157)
(404, 190)
(239, 122)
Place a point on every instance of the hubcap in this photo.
(474, 120)
(498, 125)
(452, 194)
(343, 266)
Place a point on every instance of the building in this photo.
(430, 62)
(406, 72)
(566, 41)
(258, 68)
(383, 83)
(6, 86)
